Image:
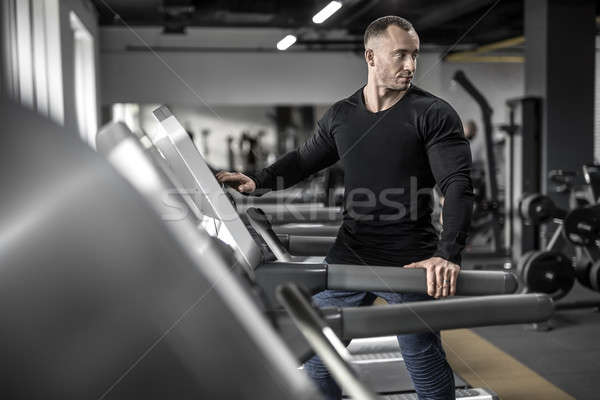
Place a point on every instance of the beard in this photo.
(400, 84)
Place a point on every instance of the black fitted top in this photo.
(392, 159)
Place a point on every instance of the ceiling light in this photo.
(286, 42)
(327, 12)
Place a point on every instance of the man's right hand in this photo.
(238, 181)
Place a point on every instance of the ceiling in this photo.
(439, 22)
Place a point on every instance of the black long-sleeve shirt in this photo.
(391, 159)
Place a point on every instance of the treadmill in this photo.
(195, 177)
(99, 298)
(346, 322)
(271, 274)
(104, 296)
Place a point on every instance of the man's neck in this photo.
(379, 98)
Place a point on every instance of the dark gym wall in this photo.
(559, 67)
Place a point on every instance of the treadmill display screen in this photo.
(198, 181)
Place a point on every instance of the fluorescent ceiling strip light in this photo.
(286, 42)
(327, 12)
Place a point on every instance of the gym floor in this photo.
(517, 361)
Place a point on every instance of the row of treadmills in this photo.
(130, 274)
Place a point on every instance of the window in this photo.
(24, 52)
(30, 34)
(85, 80)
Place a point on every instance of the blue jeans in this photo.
(422, 352)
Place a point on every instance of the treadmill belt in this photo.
(467, 394)
(379, 363)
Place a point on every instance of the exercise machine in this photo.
(283, 269)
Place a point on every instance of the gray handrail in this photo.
(433, 316)
(323, 340)
(396, 279)
(262, 226)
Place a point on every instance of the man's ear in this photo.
(370, 57)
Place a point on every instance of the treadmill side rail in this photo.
(433, 316)
(397, 279)
(311, 277)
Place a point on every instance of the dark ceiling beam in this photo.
(448, 12)
(365, 8)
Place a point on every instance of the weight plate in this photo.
(521, 264)
(594, 276)
(549, 272)
(582, 226)
(582, 272)
(536, 208)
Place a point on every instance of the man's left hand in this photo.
(441, 276)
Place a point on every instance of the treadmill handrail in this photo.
(424, 316)
(366, 277)
(316, 277)
(323, 340)
(398, 279)
(433, 316)
(261, 225)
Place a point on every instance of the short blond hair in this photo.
(379, 26)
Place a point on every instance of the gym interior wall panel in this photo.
(429, 73)
(118, 38)
(283, 78)
(238, 78)
(230, 77)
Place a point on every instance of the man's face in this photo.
(394, 57)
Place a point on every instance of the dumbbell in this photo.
(588, 274)
(549, 272)
(536, 208)
(582, 225)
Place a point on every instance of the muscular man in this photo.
(395, 142)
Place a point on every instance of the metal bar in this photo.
(485, 59)
(323, 340)
(577, 304)
(502, 44)
(397, 279)
(433, 316)
(555, 237)
(491, 179)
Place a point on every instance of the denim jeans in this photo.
(422, 352)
